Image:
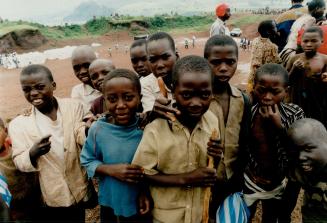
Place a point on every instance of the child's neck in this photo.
(168, 80)
(51, 109)
(187, 122)
(220, 87)
(310, 55)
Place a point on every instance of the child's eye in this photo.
(26, 89)
(186, 95)
(230, 62)
(205, 95)
(112, 99)
(40, 87)
(152, 59)
(129, 97)
(165, 56)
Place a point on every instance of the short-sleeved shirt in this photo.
(219, 28)
(169, 148)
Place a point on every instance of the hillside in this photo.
(31, 35)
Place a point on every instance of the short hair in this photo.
(84, 49)
(315, 4)
(190, 63)
(162, 35)
(297, 1)
(37, 68)
(314, 29)
(309, 125)
(273, 70)
(264, 26)
(131, 75)
(219, 40)
(139, 42)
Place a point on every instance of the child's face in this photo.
(223, 61)
(193, 94)
(162, 57)
(269, 90)
(311, 42)
(81, 62)
(97, 74)
(312, 152)
(139, 60)
(38, 89)
(122, 99)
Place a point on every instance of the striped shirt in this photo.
(4, 191)
(289, 114)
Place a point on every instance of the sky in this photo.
(19, 9)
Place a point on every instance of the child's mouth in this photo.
(306, 167)
(37, 101)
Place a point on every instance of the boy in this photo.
(26, 198)
(309, 139)
(162, 57)
(264, 49)
(47, 141)
(308, 78)
(139, 58)
(82, 57)
(233, 110)
(265, 174)
(98, 69)
(176, 168)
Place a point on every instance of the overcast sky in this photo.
(17, 9)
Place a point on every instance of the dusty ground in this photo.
(12, 101)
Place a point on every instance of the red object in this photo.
(221, 9)
(323, 48)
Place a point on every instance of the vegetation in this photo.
(135, 25)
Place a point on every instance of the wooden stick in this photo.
(164, 93)
(207, 192)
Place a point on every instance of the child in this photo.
(309, 139)
(139, 58)
(47, 141)
(98, 70)
(264, 49)
(26, 198)
(265, 174)
(110, 147)
(174, 154)
(82, 57)
(308, 76)
(162, 57)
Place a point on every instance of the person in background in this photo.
(219, 27)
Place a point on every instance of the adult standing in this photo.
(219, 26)
(285, 21)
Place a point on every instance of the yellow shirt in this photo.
(230, 132)
(62, 183)
(169, 148)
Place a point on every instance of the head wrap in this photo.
(221, 9)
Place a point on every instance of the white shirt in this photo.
(54, 128)
(219, 28)
(85, 93)
(150, 92)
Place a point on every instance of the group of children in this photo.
(156, 139)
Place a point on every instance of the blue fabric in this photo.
(112, 144)
(233, 210)
(4, 191)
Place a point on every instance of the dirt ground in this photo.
(12, 101)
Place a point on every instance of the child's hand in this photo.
(272, 113)
(125, 172)
(202, 176)
(144, 203)
(324, 77)
(161, 108)
(299, 63)
(41, 147)
(215, 149)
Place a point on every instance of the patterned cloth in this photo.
(263, 52)
(4, 191)
(289, 114)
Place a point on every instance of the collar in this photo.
(177, 126)
(296, 6)
(283, 114)
(88, 90)
(232, 91)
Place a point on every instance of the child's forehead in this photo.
(160, 44)
(194, 77)
(276, 80)
(315, 35)
(83, 56)
(223, 50)
(38, 77)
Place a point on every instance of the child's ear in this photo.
(287, 89)
(177, 55)
(54, 85)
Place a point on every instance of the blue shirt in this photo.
(112, 144)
